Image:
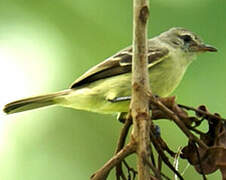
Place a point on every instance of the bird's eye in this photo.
(186, 38)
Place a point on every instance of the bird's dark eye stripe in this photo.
(186, 38)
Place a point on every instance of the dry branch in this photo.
(103, 172)
(139, 106)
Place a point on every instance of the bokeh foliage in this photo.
(45, 45)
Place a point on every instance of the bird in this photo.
(106, 87)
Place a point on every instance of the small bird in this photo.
(106, 87)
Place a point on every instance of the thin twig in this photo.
(165, 147)
(185, 169)
(159, 163)
(130, 169)
(119, 172)
(154, 169)
(166, 177)
(196, 131)
(201, 112)
(176, 161)
(152, 156)
(123, 134)
(120, 144)
(103, 172)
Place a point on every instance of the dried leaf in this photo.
(214, 157)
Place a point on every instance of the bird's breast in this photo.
(165, 77)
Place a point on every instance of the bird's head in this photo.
(185, 40)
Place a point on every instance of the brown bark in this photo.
(140, 86)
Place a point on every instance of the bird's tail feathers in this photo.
(35, 102)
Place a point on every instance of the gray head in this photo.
(185, 40)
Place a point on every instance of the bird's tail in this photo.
(35, 102)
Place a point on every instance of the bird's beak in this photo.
(205, 48)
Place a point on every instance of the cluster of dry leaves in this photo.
(211, 157)
(208, 160)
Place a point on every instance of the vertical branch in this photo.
(140, 85)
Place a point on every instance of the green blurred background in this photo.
(46, 45)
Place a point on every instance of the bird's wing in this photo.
(118, 64)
